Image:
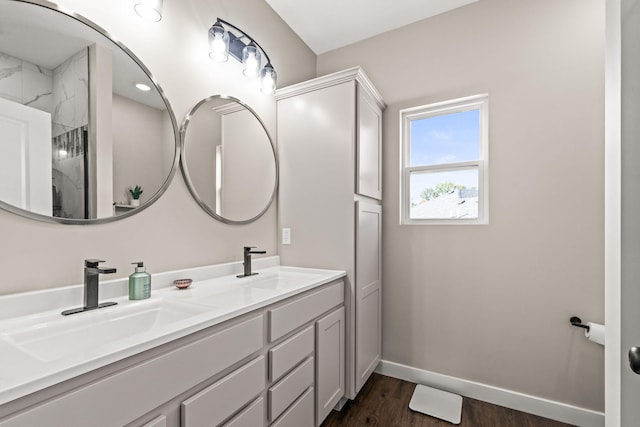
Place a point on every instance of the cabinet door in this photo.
(368, 291)
(330, 363)
(369, 147)
(316, 156)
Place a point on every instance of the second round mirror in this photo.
(228, 160)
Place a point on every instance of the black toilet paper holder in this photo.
(576, 321)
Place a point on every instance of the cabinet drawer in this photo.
(152, 382)
(252, 416)
(293, 385)
(283, 357)
(288, 317)
(161, 421)
(300, 414)
(217, 402)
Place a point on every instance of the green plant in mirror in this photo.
(136, 192)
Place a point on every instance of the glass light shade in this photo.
(251, 61)
(149, 10)
(218, 43)
(269, 79)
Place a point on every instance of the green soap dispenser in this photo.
(139, 282)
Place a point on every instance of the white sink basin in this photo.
(229, 298)
(281, 280)
(91, 331)
(236, 292)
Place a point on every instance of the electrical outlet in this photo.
(286, 236)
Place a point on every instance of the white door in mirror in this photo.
(25, 157)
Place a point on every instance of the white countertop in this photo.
(39, 347)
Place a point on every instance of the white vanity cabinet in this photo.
(255, 370)
(329, 149)
(301, 355)
(121, 393)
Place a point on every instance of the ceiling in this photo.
(326, 25)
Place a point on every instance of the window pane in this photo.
(446, 138)
(444, 195)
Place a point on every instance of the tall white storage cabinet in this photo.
(329, 148)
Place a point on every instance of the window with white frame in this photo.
(444, 170)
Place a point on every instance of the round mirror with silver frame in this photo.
(228, 160)
(77, 136)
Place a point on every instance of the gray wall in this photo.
(491, 303)
(138, 158)
(174, 232)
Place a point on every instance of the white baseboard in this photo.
(498, 396)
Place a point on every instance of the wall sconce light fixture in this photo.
(149, 10)
(223, 43)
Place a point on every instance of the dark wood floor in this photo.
(384, 402)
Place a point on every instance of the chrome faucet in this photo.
(91, 274)
(247, 260)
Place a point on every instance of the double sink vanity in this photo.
(261, 350)
(280, 348)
